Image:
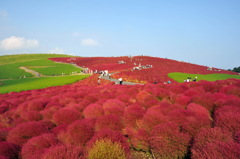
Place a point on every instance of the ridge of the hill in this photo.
(141, 69)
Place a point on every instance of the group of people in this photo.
(189, 79)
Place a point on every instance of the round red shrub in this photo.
(110, 121)
(93, 111)
(167, 142)
(132, 114)
(36, 146)
(146, 99)
(138, 139)
(66, 116)
(190, 121)
(114, 136)
(151, 118)
(227, 117)
(114, 106)
(31, 116)
(22, 132)
(219, 149)
(4, 133)
(80, 131)
(9, 150)
(204, 99)
(64, 152)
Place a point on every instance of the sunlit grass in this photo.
(180, 77)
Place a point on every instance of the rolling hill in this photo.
(152, 121)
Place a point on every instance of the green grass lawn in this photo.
(9, 65)
(24, 84)
(180, 77)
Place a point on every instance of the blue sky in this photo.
(205, 32)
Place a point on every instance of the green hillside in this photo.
(180, 77)
(11, 76)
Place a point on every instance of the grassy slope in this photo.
(9, 69)
(9, 65)
(18, 85)
(180, 77)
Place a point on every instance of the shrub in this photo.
(9, 150)
(151, 118)
(64, 152)
(183, 100)
(36, 146)
(93, 111)
(219, 149)
(207, 136)
(113, 106)
(146, 99)
(80, 131)
(227, 117)
(204, 99)
(4, 133)
(66, 116)
(31, 116)
(132, 114)
(114, 136)
(111, 121)
(167, 142)
(138, 139)
(237, 137)
(105, 148)
(22, 132)
(190, 121)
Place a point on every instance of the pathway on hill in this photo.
(117, 81)
(34, 73)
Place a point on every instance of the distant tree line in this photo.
(235, 69)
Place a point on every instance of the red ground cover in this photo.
(178, 120)
(186, 119)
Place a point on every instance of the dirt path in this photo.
(117, 81)
(34, 73)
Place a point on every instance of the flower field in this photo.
(84, 120)
(159, 71)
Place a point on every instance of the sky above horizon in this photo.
(204, 32)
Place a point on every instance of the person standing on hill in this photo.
(120, 81)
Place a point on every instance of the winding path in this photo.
(117, 81)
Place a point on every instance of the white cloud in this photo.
(57, 50)
(14, 43)
(89, 42)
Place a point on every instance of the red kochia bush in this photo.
(146, 99)
(167, 142)
(138, 139)
(110, 121)
(64, 152)
(151, 118)
(31, 116)
(66, 116)
(207, 136)
(22, 132)
(114, 136)
(114, 106)
(93, 111)
(36, 146)
(80, 131)
(132, 114)
(218, 150)
(9, 150)
(227, 117)
(4, 133)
